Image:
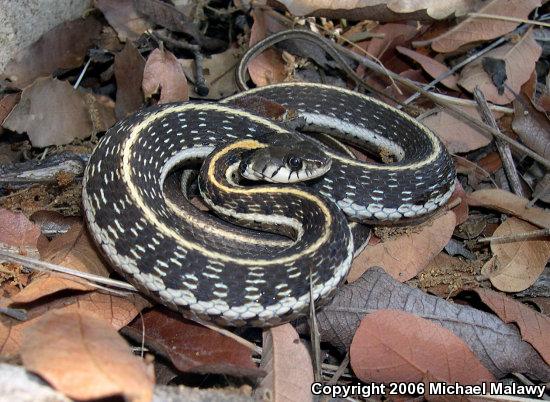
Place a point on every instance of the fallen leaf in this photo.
(497, 345)
(129, 66)
(534, 326)
(118, 311)
(163, 73)
(75, 249)
(457, 135)
(288, 365)
(7, 103)
(18, 232)
(268, 67)
(56, 49)
(46, 284)
(406, 255)
(391, 345)
(518, 263)
(474, 29)
(201, 350)
(431, 66)
(219, 73)
(519, 58)
(532, 127)
(123, 17)
(84, 357)
(380, 10)
(509, 203)
(51, 112)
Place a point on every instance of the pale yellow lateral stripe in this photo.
(436, 147)
(166, 230)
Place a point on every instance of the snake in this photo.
(286, 198)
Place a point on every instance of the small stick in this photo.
(516, 236)
(339, 371)
(503, 148)
(79, 79)
(176, 43)
(506, 18)
(200, 83)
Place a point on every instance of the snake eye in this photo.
(294, 163)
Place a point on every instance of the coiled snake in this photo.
(214, 270)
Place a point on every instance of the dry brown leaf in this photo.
(520, 59)
(46, 284)
(201, 350)
(475, 29)
(56, 49)
(163, 73)
(431, 66)
(392, 345)
(394, 34)
(406, 255)
(288, 365)
(75, 249)
(219, 73)
(380, 10)
(461, 211)
(51, 112)
(18, 231)
(84, 357)
(518, 263)
(497, 345)
(509, 203)
(534, 326)
(268, 67)
(457, 135)
(532, 127)
(119, 311)
(129, 66)
(123, 17)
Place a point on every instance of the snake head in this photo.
(291, 163)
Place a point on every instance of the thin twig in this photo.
(516, 236)
(339, 371)
(472, 103)
(506, 18)
(253, 347)
(79, 79)
(45, 266)
(503, 148)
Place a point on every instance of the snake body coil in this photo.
(211, 269)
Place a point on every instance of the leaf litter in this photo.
(60, 94)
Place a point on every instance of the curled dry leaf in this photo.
(129, 65)
(509, 203)
(457, 135)
(406, 255)
(392, 345)
(534, 326)
(497, 345)
(201, 350)
(84, 357)
(380, 10)
(123, 17)
(163, 73)
(51, 112)
(519, 59)
(475, 29)
(431, 66)
(118, 311)
(268, 67)
(18, 232)
(532, 127)
(288, 365)
(461, 211)
(518, 263)
(56, 49)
